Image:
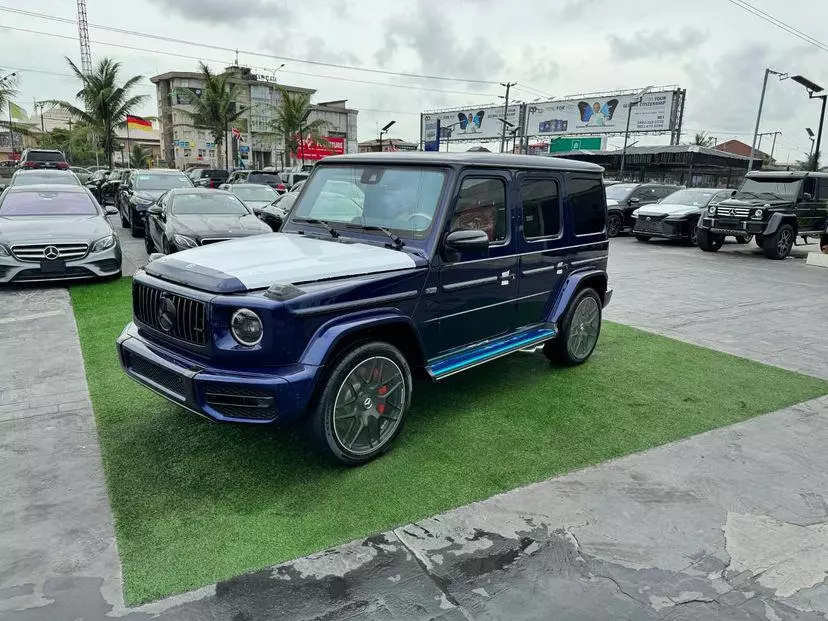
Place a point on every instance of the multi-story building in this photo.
(183, 144)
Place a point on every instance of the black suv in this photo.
(775, 207)
(208, 177)
(624, 198)
(43, 158)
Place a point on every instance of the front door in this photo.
(476, 293)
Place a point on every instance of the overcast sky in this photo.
(712, 48)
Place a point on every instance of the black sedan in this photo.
(191, 217)
(254, 195)
(275, 214)
(141, 189)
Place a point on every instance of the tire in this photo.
(709, 242)
(614, 224)
(136, 232)
(124, 221)
(779, 245)
(580, 330)
(149, 245)
(759, 239)
(744, 239)
(643, 238)
(372, 377)
(692, 234)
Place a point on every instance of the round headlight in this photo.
(246, 327)
(712, 210)
(758, 214)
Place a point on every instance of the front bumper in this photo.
(732, 226)
(104, 264)
(256, 396)
(669, 229)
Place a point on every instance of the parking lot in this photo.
(668, 533)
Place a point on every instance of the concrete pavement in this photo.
(731, 524)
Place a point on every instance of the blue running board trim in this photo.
(489, 351)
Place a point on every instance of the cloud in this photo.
(219, 12)
(656, 44)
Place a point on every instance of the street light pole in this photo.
(632, 103)
(782, 76)
(384, 130)
(814, 88)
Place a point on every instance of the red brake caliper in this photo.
(381, 391)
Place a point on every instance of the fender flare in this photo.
(571, 286)
(330, 334)
(777, 220)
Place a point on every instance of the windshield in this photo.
(695, 198)
(47, 204)
(403, 199)
(208, 203)
(783, 188)
(44, 156)
(163, 181)
(263, 178)
(255, 192)
(36, 178)
(619, 191)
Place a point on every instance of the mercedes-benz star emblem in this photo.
(732, 212)
(367, 403)
(51, 253)
(166, 313)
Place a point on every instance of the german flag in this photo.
(139, 123)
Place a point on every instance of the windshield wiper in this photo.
(334, 233)
(398, 242)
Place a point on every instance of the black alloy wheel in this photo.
(133, 223)
(692, 234)
(579, 330)
(362, 405)
(124, 221)
(779, 245)
(614, 224)
(759, 239)
(744, 239)
(709, 242)
(149, 245)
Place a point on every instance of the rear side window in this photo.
(541, 208)
(589, 209)
(822, 193)
(263, 178)
(44, 156)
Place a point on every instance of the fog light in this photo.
(246, 327)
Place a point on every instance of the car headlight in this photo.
(712, 210)
(757, 215)
(4, 252)
(182, 241)
(246, 327)
(104, 243)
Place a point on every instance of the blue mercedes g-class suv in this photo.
(389, 265)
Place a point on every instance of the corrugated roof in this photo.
(650, 150)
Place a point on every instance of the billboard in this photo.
(601, 114)
(472, 123)
(309, 150)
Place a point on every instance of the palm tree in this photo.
(216, 108)
(105, 103)
(8, 89)
(703, 140)
(139, 157)
(811, 163)
(290, 121)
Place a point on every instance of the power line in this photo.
(314, 75)
(742, 4)
(249, 53)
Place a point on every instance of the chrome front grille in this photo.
(732, 212)
(37, 252)
(187, 322)
(213, 240)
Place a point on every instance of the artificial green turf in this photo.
(196, 502)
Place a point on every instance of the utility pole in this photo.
(83, 37)
(507, 86)
(773, 144)
(782, 76)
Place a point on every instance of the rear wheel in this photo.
(363, 404)
(778, 246)
(579, 331)
(614, 224)
(643, 238)
(709, 242)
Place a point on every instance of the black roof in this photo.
(796, 174)
(466, 158)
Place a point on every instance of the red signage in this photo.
(311, 151)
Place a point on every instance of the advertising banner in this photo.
(471, 123)
(310, 151)
(601, 115)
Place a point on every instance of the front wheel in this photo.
(614, 224)
(744, 239)
(362, 405)
(579, 331)
(709, 242)
(779, 245)
(133, 226)
(124, 221)
(643, 238)
(692, 234)
(149, 246)
(759, 239)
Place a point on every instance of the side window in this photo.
(589, 208)
(481, 204)
(663, 192)
(809, 187)
(541, 208)
(822, 193)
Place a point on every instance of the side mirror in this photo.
(224, 186)
(633, 200)
(110, 210)
(154, 210)
(467, 240)
(2, 187)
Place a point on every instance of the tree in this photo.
(290, 121)
(8, 89)
(703, 140)
(77, 143)
(810, 163)
(139, 157)
(105, 104)
(216, 108)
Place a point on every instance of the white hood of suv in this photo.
(279, 258)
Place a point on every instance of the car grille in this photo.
(241, 403)
(653, 226)
(213, 240)
(189, 320)
(37, 252)
(733, 212)
(158, 375)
